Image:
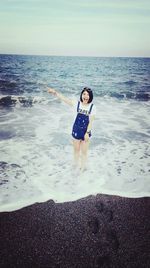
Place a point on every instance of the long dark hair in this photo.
(89, 91)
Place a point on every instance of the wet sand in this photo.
(97, 231)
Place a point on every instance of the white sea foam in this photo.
(38, 156)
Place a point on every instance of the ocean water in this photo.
(36, 153)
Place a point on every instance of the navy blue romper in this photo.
(81, 123)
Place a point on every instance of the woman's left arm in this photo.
(91, 119)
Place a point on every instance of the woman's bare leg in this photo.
(84, 151)
(76, 147)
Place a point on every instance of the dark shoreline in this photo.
(97, 231)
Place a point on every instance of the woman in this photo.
(81, 131)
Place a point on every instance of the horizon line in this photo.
(84, 56)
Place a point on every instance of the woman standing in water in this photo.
(81, 131)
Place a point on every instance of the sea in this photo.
(36, 152)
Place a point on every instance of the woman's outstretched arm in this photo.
(60, 96)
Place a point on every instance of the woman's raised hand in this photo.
(51, 90)
(59, 96)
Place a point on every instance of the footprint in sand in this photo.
(94, 225)
(112, 238)
(108, 236)
(107, 212)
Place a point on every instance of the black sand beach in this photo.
(97, 231)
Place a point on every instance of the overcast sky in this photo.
(75, 27)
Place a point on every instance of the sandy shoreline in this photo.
(97, 231)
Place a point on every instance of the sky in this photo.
(75, 27)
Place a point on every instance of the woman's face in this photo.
(85, 97)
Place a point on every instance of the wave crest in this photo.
(12, 100)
